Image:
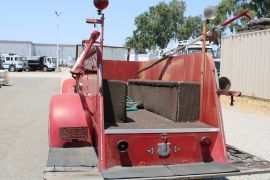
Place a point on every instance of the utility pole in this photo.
(58, 14)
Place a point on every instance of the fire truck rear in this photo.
(156, 119)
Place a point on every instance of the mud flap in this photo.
(72, 163)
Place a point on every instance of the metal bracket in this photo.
(176, 149)
(151, 150)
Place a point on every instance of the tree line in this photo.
(166, 21)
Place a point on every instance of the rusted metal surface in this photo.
(228, 93)
(73, 132)
(243, 14)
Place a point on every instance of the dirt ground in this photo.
(247, 104)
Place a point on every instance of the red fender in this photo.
(68, 85)
(68, 110)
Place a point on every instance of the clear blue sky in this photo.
(34, 20)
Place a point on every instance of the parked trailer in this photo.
(142, 120)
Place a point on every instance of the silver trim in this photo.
(155, 131)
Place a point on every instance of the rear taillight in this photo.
(206, 142)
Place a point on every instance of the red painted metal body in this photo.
(186, 148)
(85, 108)
(68, 86)
(180, 68)
(69, 110)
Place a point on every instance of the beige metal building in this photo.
(245, 60)
(28, 48)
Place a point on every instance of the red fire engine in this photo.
(143, 120)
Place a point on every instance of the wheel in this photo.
(45, 69)
(27, 69)
(12, 68)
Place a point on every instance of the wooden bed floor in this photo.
(143, 119)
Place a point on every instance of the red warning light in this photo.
(101, 4)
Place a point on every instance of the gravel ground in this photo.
(248, 104)
(24, 119)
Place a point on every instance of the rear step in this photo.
(81, 163)
(177, 171)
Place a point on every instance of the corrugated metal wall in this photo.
(50, 50)
(245, 60)
(21, 48)
(112, 52)
(27, 48)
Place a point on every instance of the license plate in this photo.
(73, 132)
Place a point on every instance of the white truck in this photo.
(43, 63)
(197, 47)
(12, 62)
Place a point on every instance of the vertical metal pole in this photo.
(202, 73)
(102, 33)
(101, 101)
(57, 45)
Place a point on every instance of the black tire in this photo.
(45, 69)
(27, 69)
(12, 69)
(224, 83)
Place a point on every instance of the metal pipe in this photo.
(202, 73)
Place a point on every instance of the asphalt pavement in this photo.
(24, 108)
(249, 132)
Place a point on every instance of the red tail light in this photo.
(205, 147)
(101, 4)
(206, 141)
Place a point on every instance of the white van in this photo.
(12, 62)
